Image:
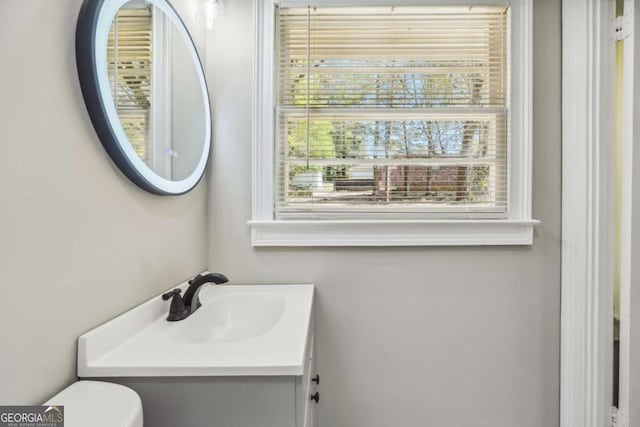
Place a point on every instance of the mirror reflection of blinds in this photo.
(392, 110)
(130, 61)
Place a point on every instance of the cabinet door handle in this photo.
(316, 379)
(316, 397)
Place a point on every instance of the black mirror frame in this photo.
(88, 75)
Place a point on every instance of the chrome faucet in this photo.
(183, 307)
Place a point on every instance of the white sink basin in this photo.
(234, 317)
(238, 331)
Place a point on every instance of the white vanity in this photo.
(244, 359)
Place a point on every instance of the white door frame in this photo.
(630, 235)
(587, 237)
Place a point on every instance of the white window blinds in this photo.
(400, 111)
(130, 52)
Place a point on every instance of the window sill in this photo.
(392, 233)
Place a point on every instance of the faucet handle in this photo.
(177, 311)
(171, 294)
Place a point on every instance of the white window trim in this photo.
(161, 129)
(516, 229)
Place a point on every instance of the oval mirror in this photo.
(145, 89)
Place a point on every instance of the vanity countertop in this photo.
(240, 330)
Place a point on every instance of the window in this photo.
(130, 58)
(398, 125)
(140, 61)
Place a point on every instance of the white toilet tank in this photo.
(99, 404)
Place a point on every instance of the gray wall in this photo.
(452, 337)
(79, 243)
